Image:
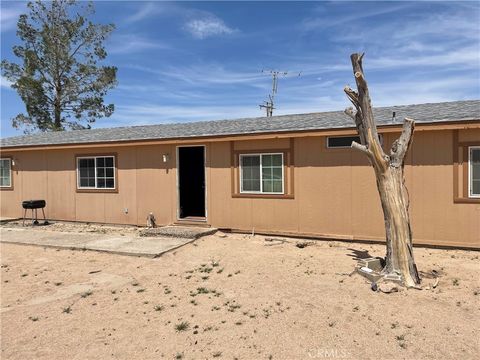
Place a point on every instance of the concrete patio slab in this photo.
(124, 245)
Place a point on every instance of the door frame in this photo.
(177, 161)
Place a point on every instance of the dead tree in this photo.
(399, 262)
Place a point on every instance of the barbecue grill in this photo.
(34, 205)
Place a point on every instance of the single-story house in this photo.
(289, 174)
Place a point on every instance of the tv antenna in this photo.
(269, 105)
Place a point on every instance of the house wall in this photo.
(333, 191)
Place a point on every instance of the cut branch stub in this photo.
(401, 145)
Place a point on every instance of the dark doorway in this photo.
(191, 181)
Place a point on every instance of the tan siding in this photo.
(61, 177)
(334, 189)
(155, 183)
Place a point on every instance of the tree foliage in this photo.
(59, 78)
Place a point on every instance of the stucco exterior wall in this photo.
(333, 191)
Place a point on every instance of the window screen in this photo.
(5, 172)
(96, 172)
(345, 141)
(261, 173)
(474, 171)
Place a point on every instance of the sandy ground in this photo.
(234, 297)
(65, 226)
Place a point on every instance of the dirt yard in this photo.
(233, 297)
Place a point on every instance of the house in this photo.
(291, 174)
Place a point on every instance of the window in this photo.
(345, 141)
(96, 172)
(261, 173)
(5, 172)
(474, 171)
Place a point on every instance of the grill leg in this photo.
(44, 219)
(36, 217)
(24, 216)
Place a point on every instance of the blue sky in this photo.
(190, 61)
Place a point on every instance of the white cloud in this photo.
(4, 83)
(207, 26)
(132, 43)
(147, 9)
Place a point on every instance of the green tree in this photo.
(59, 80)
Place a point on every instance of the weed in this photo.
(23, 275)
(113, 291)
(140, 290)
(219, 271)
(167, 291)
(57, 283)
(215, 263)
(204, 278)
(86, 294)
(33, 318)
(135, 283)
(217, 354)
(183, 326)
(215, 308)
(394, 325)
(234, 307)
(193, 302)
(179, 356)
(456, 282)
(202, 290)
(331, 323)
(237, 272)
(188, 277)
(158, 307)
(67, 310)
(400, 337)
(238, 323)
(302, 245)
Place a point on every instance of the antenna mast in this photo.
(268, 105)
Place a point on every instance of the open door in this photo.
(191, 182)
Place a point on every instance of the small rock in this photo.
(387, 288)
(374, 286)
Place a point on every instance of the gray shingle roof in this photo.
(422, 113)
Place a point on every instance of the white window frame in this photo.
(380, 136)
(470, 175)
(261, 179)
(10, 173)
(95, 187)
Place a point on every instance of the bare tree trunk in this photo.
(390, 179)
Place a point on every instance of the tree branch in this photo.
(402, 144)
(363, 149)
(351, 112)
